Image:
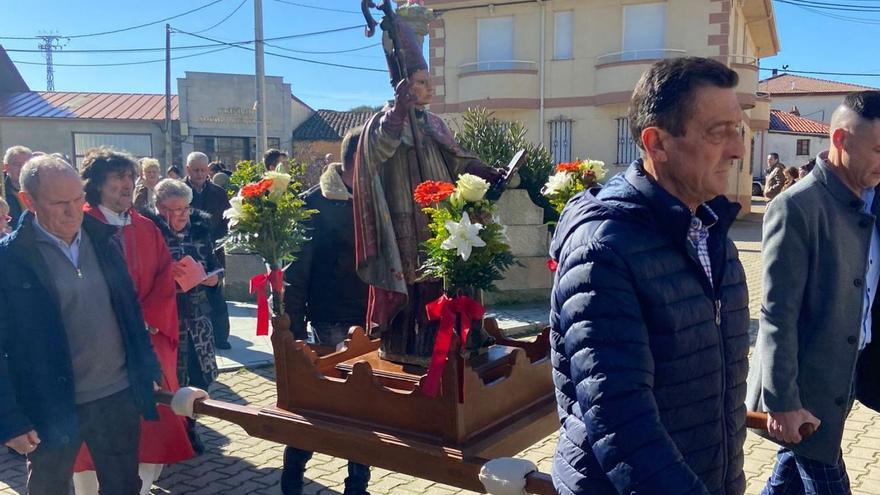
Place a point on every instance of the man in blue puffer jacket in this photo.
(649, 312)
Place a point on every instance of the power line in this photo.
(333, 52)
(189, 47)
(298, 59)
(832, 6)
(119, 64)
(854, 74)
(856, 20)
(225, 18)
(327, 9)
(122, 29)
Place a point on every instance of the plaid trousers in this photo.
(797, 475)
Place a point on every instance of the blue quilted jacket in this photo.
(650, 359)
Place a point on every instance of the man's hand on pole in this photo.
(791, 426)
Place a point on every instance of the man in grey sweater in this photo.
(76, 364)
(821, 270)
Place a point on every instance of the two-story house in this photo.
(567, 68)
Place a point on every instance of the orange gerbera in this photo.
(256, 190)
(432, 192)
(568, 167)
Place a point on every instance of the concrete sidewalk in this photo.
(249, 350)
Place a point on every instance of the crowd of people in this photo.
(97, 252)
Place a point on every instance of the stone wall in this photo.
(529, 242)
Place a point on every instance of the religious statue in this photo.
(402, 146)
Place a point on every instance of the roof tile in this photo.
(790, 84)
(788, 122)
(329, 125)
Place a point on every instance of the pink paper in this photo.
(189, 273)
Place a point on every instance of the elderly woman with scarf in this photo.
(109, 183)
(187, 232)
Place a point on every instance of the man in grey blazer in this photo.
(821, 270)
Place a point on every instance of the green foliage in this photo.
(484, 266)
(246, 172)
(495, 142)
(271, 224)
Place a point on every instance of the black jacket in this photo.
(15, 208)
(322, 284)
(36, 374)
(213, 201)
(650, 360)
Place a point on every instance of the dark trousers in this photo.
(295, 467)
(111, 428)
(219, 313)
(797, 475)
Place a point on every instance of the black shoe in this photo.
(225, 346)
(194, 439)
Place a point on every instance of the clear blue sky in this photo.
(810, 41)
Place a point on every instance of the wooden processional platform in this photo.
(348, 403)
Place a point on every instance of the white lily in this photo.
(463, 236)
(557, 182)
(280, 181)
(234, 213)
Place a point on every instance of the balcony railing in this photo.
(496, 65)
(628, 55)
(742, 59)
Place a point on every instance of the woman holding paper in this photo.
(109, 185)
(187, 233)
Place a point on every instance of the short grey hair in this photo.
(16, 150)
(41, 166)
(196, 156)
(172, 188)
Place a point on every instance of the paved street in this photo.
(236, 463)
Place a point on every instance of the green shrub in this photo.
(495, 142)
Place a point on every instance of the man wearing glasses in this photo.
(649, 310)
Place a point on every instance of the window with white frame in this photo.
(139, 145)
(560, 140)
(564, 34)
(495, 43)
(627, 149)
(644, 31)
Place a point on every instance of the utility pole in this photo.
(261, 81)
(167, 96)
(50, 43)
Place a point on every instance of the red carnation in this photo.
(432, 192)
(552, 264)
(568, 167)
(256, 190)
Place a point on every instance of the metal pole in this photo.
(261, 81)
(167, 96)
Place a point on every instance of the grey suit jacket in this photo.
(816, 239)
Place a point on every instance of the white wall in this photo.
(818, 107)
(786, 146)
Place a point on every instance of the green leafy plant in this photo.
(246, 172)
(469, 248)
(495, 141)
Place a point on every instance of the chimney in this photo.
(795, 111)
(775, 72)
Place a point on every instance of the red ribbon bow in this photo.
(445, 309)
(258, 287)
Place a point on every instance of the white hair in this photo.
(41, 166)
(172, 188)
(196, 156)
(16, 150)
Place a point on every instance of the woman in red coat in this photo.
(109, 186)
